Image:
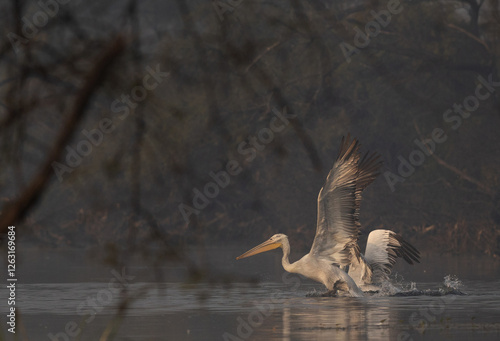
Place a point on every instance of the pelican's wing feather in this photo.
(368, 170)
(383, 248)
(337, 227)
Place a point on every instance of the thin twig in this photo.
(454, 169)
(470, 35)
(266, 50)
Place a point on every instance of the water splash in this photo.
(451, 286)
(452, 282)
(389, 289)
(398, 287)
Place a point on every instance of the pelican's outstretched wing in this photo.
(368, 170)
(338, 204)
(383, 248)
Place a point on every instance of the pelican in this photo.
(335, 246)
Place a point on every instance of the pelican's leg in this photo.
(330, 293)
(338, 285)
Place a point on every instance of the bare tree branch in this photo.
(15, 211)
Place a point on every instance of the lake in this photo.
(65, 295)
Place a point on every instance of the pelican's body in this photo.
(335, 246)
(317, 269)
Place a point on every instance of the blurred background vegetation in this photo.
(231, 65)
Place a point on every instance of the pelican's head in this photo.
(272, 243)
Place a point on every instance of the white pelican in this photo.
(335, 245)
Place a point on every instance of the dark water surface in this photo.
(62, 295)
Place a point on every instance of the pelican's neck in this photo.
(285, 245)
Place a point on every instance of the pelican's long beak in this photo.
(266, 246)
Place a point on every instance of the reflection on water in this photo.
(269, 311)
(281, 308)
